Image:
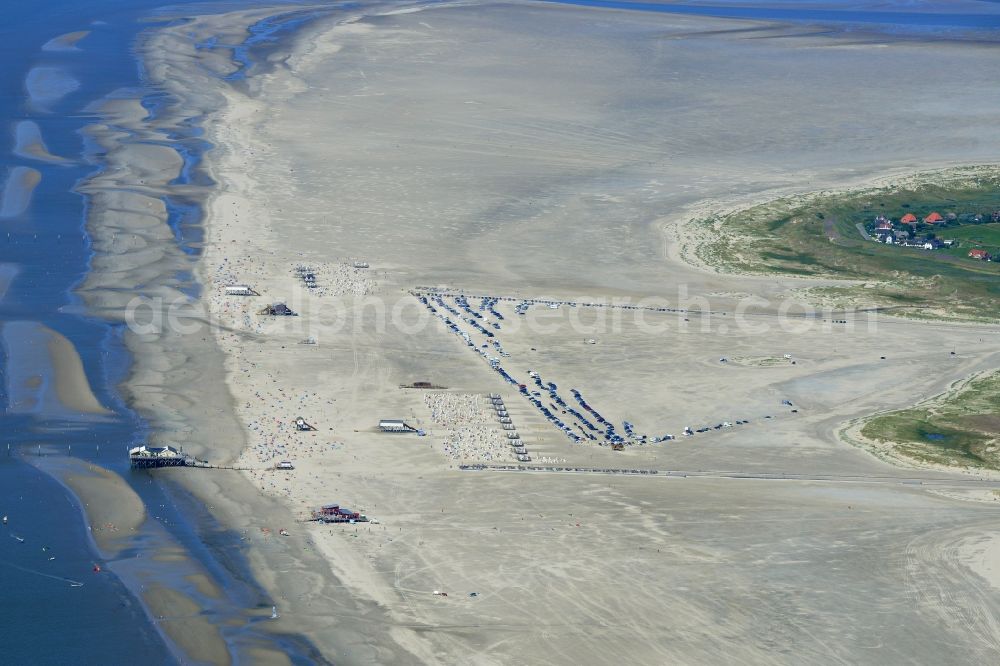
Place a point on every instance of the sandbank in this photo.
(46, 85)
(18, 188)
(180, 618)
(112, 509)
(66, 42)
(28, 143)
(45, 374)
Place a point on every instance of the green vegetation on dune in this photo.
(985, 236)
(961, 428)
(818, 236)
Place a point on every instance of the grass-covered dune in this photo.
(818, 236)
(958, 428)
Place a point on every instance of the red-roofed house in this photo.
(933, 217)
(909, 218)
(981, 255)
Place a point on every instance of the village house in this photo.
(882, 230)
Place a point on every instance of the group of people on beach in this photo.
(470, 433)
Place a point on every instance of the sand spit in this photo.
(71, 384)
(28, 143)
(114, 512)
(46, 85)
(177, 592)
(66, 42)
(20, 185)
(181, 619)
(45, 375)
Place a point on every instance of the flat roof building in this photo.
(393, 425)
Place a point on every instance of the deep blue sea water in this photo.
(43, 619)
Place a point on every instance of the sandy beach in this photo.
(528, 151)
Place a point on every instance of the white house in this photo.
(240, 290)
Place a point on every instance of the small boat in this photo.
(274, 613)
(20, 539)
(5, 520)
(75, 584)
(97, 568)
(283, 532)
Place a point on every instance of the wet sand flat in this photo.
(45, 374)
(531, 151)
(66, 42)
(28, 142)
(17, 191)
(181, 619)
(46, 85)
